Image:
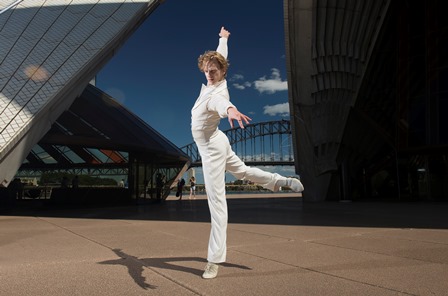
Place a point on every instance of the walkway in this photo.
(277, 246)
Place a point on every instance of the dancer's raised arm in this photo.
(222, 46)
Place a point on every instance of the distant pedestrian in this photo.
(180, 188)
(192, 187)
(15, 189)
(159, 185)
(75, 182)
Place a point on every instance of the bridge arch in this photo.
(264, 143)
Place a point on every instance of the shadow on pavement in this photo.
(136, 266)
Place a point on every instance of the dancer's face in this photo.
(213, 73)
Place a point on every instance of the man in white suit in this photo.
(217, 156)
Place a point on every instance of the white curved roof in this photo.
(49, 51)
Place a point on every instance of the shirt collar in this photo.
(215, 85)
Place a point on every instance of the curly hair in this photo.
(214, 56)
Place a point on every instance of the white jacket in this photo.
(211, 105)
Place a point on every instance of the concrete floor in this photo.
(277, 245)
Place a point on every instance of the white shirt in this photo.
(211, 105)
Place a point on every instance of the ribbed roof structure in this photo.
(368, 96)
(98, 132)
(49, 51)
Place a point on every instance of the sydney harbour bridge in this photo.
(264, 143)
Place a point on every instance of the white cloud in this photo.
(242, 86)
(279, 109)
(271, 85)
(236, 77)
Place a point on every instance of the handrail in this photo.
(10, 6)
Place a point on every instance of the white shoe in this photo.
(294, 184)
(211, 271)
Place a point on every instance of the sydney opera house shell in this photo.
(51, 117)
(368, 97)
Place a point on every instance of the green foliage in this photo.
(84, 180)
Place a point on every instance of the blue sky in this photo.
(155, 73)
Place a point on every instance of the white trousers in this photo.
(217, 158)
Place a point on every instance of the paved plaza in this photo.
(277, 245)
